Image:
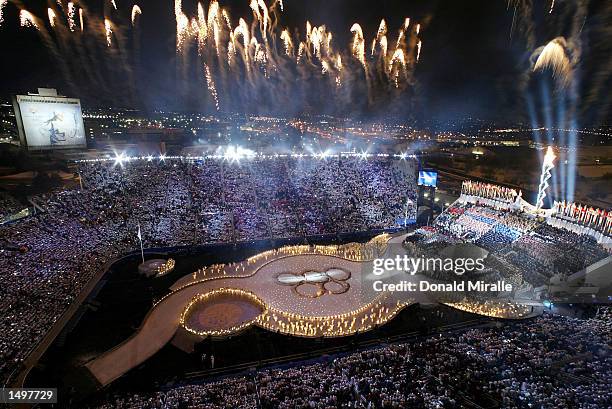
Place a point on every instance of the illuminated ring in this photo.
(338, 274)
(332, 281)
(341, 287)
(319, 287)
(289, 279)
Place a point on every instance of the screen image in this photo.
(50, 122)
(428, 178)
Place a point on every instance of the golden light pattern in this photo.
(363, 319)
(379, 310)
(368, 316)
(494, 309)
(166, 268)
(203, 298)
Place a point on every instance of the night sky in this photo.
(469, 65)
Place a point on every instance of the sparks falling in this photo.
(109, 32)
(135, 12)
(2, 4)
(210, 83)
(554, 56)
(52, 16)
(71, 15)
(258, 53)
(26, 19)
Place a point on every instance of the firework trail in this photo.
(359, 44)
(553, 55)
(71, 14)
(211, 86)
(136, 12)
(286, 37)
(52, 16)
(3, 3)
(108, 27)
(255, 54)
(26, 19)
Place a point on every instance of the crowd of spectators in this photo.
(532, 249)
(548, 362)
(8, 205)
(46, 259)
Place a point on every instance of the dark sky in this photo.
(469, 66)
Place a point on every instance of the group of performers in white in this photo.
(592, 217)
(587, 216)
(489, 191)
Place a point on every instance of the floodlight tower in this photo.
(547, 166)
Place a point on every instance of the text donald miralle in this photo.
(412, 265)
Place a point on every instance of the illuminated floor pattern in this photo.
(307, 291)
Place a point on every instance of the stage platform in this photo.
(306, 291)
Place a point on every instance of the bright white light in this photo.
(324, 155)
(363, 155)
(235, 153)
(119, 159)
(403, 155)
(547, 166)
(162, 157)
(550, 157)
(149, 158)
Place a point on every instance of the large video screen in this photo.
(428, 178)
(49, 122)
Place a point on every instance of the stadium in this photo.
(296, 288)
(275, 204)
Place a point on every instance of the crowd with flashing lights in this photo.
(8, 205)
(550, 361)
(524, 249)
(49, 257)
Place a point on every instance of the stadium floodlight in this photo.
(326, 154)
(403, 156)
(119, 159)
(363, 155)
(162, 157)
(235, 153)
(547, 167)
